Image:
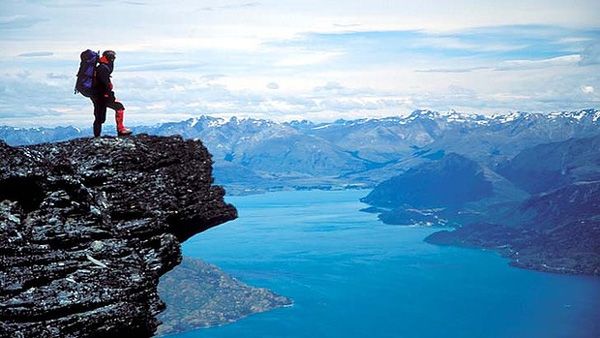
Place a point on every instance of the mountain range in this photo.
(253, 155)
(541, 208)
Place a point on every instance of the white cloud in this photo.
(445, 42)
(329, 87)
(164, 43)
(35, 54)
(157, 106)
(451, 70)
(18, 21)
(572, 39)
(233, 6)
(306, 58)
(543, 63)
(587, 89)
(161, 66)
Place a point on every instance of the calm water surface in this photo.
(352, 276)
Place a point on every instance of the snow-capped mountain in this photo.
(362, 151)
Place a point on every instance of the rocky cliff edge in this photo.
(88, 226)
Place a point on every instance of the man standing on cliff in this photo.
(103, 96)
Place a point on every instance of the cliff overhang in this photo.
(88, 226)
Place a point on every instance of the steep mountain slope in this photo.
(453, 188)
(452, 181)
(557, 229)
(556, 232)
(296, 153)
(552, 165)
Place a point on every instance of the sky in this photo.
(293, 60)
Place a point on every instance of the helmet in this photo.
(109, 54)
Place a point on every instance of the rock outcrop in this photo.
(88, 226)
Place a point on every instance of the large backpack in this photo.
(86, 73)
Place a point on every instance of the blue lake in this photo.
(353, 276)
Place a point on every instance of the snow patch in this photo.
(322, 127)
(217, 123)
(507, 117)
(579, 115)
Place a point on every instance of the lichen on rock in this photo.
(88, 226)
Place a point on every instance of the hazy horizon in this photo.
(228, 118)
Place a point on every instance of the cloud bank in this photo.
(290, 60)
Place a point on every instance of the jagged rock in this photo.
(88, 226)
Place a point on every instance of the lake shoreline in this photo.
(351, 275)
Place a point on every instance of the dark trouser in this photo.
(100, 105)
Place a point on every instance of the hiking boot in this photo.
(121, 129)
(124, 132)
